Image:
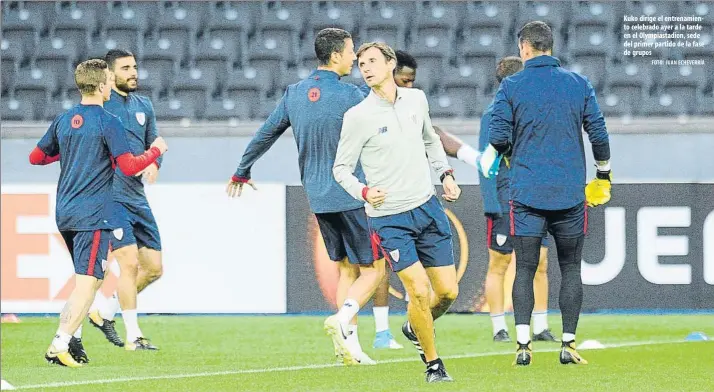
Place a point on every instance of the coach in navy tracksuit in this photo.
(538, 115)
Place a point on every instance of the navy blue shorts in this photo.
(137, 226)
(346, 234)
(498, 234)
(422, 234)
(533, 222)
(89, 251)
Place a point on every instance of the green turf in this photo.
(193, 345)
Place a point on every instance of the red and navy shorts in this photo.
(89, 251)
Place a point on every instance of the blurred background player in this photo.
(537, 111)
(390, 132)
(138, 245)
(495, 194)
(314, 108)
(86, 139)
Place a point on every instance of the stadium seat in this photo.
(385, 23)
(666, 104)
(101, 9)
(201, 10)
(55, 107)
(465, 82)
(74, 25)
(35, 86)
(216, 54)
(651, 8)
(23, 26)
(283, 22)
(683, 83)
(163, 55)
(270, 53)
(194, 85)
(446, 106)
(332, 16)
(11, 55)
(705, 104)
(151, 82)
(44, 9)
(174, 109)
(354, 78)
(482, 53)
(124, 28)
(440, 21)
(178, 25)
(614, 104)
(554, 13)
(248, 85)
(488, 17)
(56, 54)
(630, 82)
(266, 107)
(291, 76)
(480, 104)
(226, 109)
(592, 40)
(432, 57)
(594, 13)
(232, 26)
(16, 109)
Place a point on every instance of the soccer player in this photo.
(138, 245)
(86, 139)
(314, 108)
(495, 200)
(538, 115)
(390, 133)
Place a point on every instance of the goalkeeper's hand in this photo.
(597, 192)
(489, 162)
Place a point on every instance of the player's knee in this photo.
(543, 264)
(348, 270)
(449, 294)
(419, 296)
(155, 271)
(498, 263)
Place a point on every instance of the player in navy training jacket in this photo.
(86, 139)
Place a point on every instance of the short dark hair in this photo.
(114, 54)
(507, 66)
(328, 41)
(538, 34)
(89, 74)
(404, 59)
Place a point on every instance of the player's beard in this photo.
(124, 86)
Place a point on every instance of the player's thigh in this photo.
(568, 223)
(415, 281)
(526, 221)
(434, 243)
(150, 260)
(498, 233)
(90, 252)
(123, 234)
(356, 238)
(330, 225)
(395, 236)
(443, 280)
(145, 229)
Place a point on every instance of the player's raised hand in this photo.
(160, 143)
(375, 196)
(451, 189)
(235, 186)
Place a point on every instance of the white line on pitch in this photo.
(303, 367)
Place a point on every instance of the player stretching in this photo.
(138, 245)
(390, 132)
(538, 114)
(86, 138)
(314, 108)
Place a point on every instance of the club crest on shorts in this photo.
(501, 239)
(104, 265)
(395, 255)
(118, 233)
(141, 118)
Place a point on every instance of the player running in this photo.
(86, 139)
(390, 132)
(314, 108)
(138, 245)
(538, 116)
